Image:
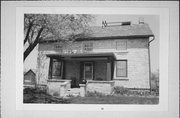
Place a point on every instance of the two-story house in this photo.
(111, 56)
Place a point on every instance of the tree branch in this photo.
(27, 34)
(33, 45)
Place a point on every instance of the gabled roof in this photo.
(129, 31)
(117, 32)
(30, 71)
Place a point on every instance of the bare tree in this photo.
(64, 27)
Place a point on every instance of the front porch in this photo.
(96, 70)
(81, 67)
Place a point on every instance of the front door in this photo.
(88, 71)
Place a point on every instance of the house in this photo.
(29, 79)
(110, 56)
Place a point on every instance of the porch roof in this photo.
(83, 55)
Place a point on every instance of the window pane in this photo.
(56, 68)
(121, 68)
(121, 64)
(121, 73)
(88, 71)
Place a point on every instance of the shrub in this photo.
(29, 90)
(139, 93)
(41, 88)
(120, 90)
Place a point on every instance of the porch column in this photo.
(108, 70)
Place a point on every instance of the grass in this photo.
(35, 96)
(115, 100)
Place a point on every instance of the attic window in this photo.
(88, 46)
(121, 45)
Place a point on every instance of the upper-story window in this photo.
(121, 45)
(88, 46)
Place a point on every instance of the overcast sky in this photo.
(152, 20)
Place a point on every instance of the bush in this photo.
(29, 90)
(39, 96)
(139, 93)
(155, 91)
(41, 88)
(120, 90)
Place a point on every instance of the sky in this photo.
(151, 20)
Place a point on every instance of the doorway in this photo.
(88, 71)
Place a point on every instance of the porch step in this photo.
(73, 92)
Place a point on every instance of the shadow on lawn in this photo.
(38, 96)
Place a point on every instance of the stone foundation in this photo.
(58, 87)
(104, 87)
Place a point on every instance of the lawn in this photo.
(115, 100)
(36, 96)
(46, 99)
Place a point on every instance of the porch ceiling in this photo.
(83, 55)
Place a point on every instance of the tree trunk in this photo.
(32, 46)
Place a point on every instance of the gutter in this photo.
(151, 40)
(150, 61)
(101, 38)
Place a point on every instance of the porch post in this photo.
(108, 70)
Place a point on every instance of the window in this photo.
(121, 45)
(88, 46)
(56, 67)
(58, 47)
(88, 70)
(121, 68)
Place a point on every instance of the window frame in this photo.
(51, 76)
(125, 69)
(92, 73)
(86, 48)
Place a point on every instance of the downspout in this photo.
(150, 61)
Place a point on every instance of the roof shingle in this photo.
(127, 30)
(130, 31)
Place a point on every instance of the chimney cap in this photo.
(141, 20)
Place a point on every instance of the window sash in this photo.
(56, 68)
(121, 68)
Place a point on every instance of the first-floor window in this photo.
(56, 67)
(121, 68)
